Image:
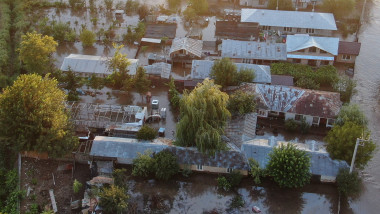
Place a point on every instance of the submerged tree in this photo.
(223, 72)
(203, 117)
(114, 199)
(289, 166)
(33, 117)
(36, 52)
(141, 82)
(118, 64)
(87, 38)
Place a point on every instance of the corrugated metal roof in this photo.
(321, 163)
(201, 69)
(253, 50)
(162, 69)
(296, 100)
(160, 30)
(352, 48)
(299, 42)
(296, 19)
(192, 46)
(237, 30)
(150, 40)
(93, 64)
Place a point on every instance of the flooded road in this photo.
(367, 74)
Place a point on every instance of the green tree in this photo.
(95, 82)
(146, 133)
(108, 4)
(346, 88)
(33, 117)
(71, 83)
(340, 8)
(77, 186)
(327, 75)
(165, 165)
(143, 165)
(120, 177)
(223, 72)
(189, 15)
(203, 117)
(244, 75)
(174, 97)
(349, 184)
(255, 171)
(118, 64)
(200, 6)
(36, 52)
(114, 199)
(141, 82)
(282, 4)
(351, 113)
(341, 142)
(143, 11)
(289, 166)
(241, 103)
(9, 192)
(87, 38)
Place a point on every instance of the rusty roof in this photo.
(296, 100)
(352, 48)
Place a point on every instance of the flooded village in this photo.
(155, 133)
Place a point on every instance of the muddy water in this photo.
(199, 194)
(367, 74)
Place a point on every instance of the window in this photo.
(309, 30)
(262, 113)
(266, 27)
(315, 120)
(330, 122)
(325, 62)
(312, 49)
(346, 57)
(322, 51)
(298, 117)
(199, 167)
(289, 29)
(298, 30)
(262, 2)
(302, 50)
(229, 170)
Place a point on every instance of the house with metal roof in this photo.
(201, 69)
(245, 31)
(161, 69)
(253, 52)
(185, 50)
(291, 22)
(311, 50)
(87, 65)
(348, 51)
(300, 4)
(321, 163)
(157, 31)
(124, 150)
(317, 108)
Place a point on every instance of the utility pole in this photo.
(358, 140)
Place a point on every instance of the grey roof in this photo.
(192, 46)
(282, 80)
(93, 64)
(296, 19)
(253, 50)
(299, 42)
(161, 69)
(125, 149)
(295, 100)
(201, 69)
(224, 159)
(321, 163)
(158, 30)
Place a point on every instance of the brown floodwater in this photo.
(367, 75)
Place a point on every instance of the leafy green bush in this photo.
(146, 133)
(255, 171)
(186, 171)
(120, 178)
(244, 75)
(223, 183)
(304, 126)
(33, 209)
(349, 185)
(143, 165)
(174, 97)
(308, 83)
(241, 103)
(165, 165)
(346, 88)
(237, 202)
(289, 166)
(77, 186)
(291, 125)
(87, 38)
(114, 199)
